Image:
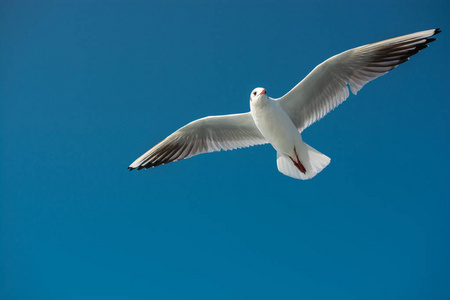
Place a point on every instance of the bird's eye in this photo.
(254, 93)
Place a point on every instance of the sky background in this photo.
(86, 87)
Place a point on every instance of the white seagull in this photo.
(281, 121)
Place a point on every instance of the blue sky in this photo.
(88, 86)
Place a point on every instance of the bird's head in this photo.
(257, 94)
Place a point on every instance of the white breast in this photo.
(275, 125)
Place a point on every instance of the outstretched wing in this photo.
(201, 136)
(326, 86)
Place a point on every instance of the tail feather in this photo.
(313, 160)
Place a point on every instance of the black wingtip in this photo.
(419, 47)
(436, 31)
(130, 169)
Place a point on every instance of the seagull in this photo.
(281, 121)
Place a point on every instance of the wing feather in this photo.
(327, 85)
(201, 136)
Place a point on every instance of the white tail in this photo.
(313, 160)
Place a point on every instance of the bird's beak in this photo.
(263, 91)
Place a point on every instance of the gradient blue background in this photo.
(88, 86)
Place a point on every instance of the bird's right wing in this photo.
(201, 136)
(326, 86)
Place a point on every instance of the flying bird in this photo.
(281, 121)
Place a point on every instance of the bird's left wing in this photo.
(201, 136)
(326, 86)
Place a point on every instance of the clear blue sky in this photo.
(88, 86)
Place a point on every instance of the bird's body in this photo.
(281, 121)
(293, 155)
(274, 124)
